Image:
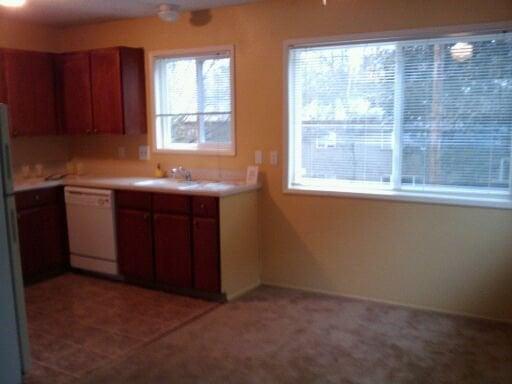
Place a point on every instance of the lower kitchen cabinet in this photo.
(53, 232)
(29, 224)
(205, 213)
(198, 245)
(206, 254)
(173, 254)
(135, 244)
(42, 233)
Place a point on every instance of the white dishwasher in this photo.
(91, 229)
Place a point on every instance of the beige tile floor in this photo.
(78, 324)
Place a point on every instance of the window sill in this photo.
(426, 198)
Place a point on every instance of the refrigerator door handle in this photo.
(7, 167)
(7, 160)
(6, 151)
(14, 226)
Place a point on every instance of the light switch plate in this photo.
(143, 152)
(274, 157)
(258, 157)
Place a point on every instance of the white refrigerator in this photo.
(14, 346)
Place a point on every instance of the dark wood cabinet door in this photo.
(74, 90)
(3, 85)
(53, 248)
(206, 254)
(20, 96)
(134, 90)
(30, 86)
(135, 245)
(30, 237)
(42, 233)
(173, 256)
(43, 87)
(107, 101)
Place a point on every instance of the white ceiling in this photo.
(68, 12)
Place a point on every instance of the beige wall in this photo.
(240, 262)
(22, 35)
(443, 257)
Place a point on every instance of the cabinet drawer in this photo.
(205, 206)
(36, 198)
(133, 200)
(168, 203)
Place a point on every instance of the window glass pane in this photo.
(217, 128)
(458, 114)
(217, 85)
(345, 112)
(181, 86)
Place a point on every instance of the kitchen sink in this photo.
(208, 185)
(184, 184)
(171, 183)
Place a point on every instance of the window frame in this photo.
(448, 197)
(197, 149)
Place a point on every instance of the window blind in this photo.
(193, 101)
(430, 115)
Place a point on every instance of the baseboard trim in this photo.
(243, 291)
(388, 302)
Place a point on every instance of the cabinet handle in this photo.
(36, 197)
(201, 206)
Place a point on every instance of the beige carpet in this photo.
(284, 336)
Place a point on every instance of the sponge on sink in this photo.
(159, 172)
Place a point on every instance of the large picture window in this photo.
(193, 93)
(425, 119)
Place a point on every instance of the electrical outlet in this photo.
(121, 152)
(274, 157)
(258, 157)
(143, 152)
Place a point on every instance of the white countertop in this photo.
(165, 185)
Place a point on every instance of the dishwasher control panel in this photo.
(88, 196)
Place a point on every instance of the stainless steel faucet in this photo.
(183, 172)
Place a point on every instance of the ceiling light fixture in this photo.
(461, 52)
(168, 12)
(12, 3)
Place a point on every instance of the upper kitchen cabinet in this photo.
(3, 88)
(118, 90)
(29, 91)
(74, 90)
(98, 92)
